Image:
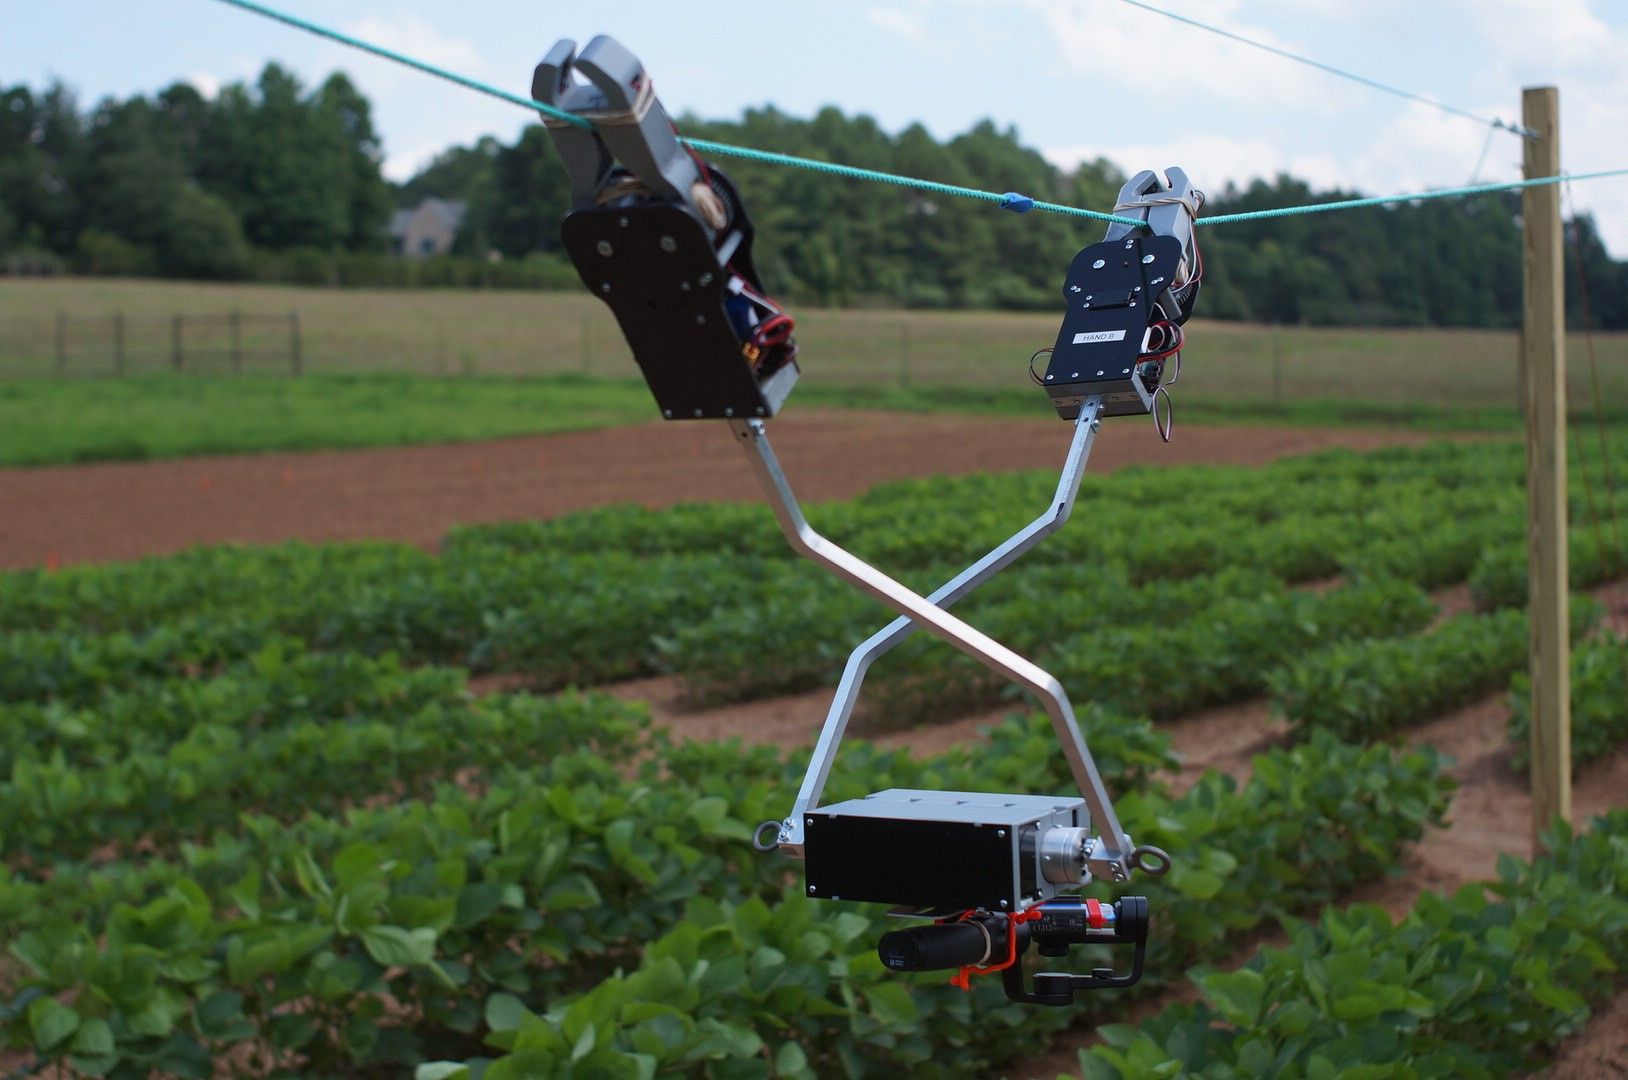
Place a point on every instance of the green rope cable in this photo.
(1418, 196)
(701, 145)
(401, 58)
(871, 175)
(1375, 84)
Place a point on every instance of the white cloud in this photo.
(911, 24)
(417, 38)
(206, 84)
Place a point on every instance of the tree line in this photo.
(272, 181)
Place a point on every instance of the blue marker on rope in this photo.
(1016, 202)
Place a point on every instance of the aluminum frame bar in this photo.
(883, 641)
(1110, 855)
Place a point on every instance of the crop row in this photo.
(150, 800)
(1599, 703)
(1465, 986)
(1364, 690)
(1499, 579)
(294, 939)
(249, 697)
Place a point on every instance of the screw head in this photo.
(761, 410)
(604, 286)
(1099, 373)
(706, 278)
(729, 410)
(604, 248)
(698, 412)
(1099, 264)
(811, 888)
(699, 319)
(622, 222)
(684, 286)
(1003, 903)
(668, 413)
(1146, 259)
(668, 244)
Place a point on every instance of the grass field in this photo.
(540, 362)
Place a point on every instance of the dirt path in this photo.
(87, 513)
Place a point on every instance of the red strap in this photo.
(963, 978)
(1093, 914)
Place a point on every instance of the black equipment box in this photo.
(935, 849)
(1110, 292)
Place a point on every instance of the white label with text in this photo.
(1099, 335)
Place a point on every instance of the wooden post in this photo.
(1543, 371)
(62, 343)
(177, 351)
(118, 343)
(237, 343)
(296, 344)
(1277, 366)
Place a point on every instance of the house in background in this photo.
(427, 229)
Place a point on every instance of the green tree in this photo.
(202, 238)
(356, 155)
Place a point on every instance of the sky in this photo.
(1076, 78)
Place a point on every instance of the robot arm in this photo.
(663, 238)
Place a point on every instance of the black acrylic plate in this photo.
(669, 304)
(918, 863)
(1108, 310)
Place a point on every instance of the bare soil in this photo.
(86, 513)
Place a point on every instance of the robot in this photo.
(663, 238)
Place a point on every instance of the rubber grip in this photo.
(930, 948)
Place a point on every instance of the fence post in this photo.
(296, 345)
(1277, 366)
(62, 343)
(177, 350)
(237, 343)
(1543, 369)
(118, 343)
